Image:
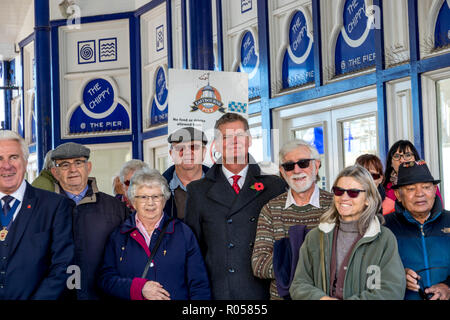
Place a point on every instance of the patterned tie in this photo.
(235, 184)
(7, 199)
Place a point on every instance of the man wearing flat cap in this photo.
(187, 150)
(422, 229)
(96, 214)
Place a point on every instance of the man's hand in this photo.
(153, 290)
(440, 291)
(328, 298)
(411, 280)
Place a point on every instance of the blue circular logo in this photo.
(98, 95)
(298, 35)
(249, 58)
(161, 91)
(355, 19)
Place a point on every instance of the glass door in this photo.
(443, 100)
(340, 136)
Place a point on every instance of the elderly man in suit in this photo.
(36, 245)
(223, 208)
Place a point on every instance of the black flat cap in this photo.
(187, 134)
(70, 150)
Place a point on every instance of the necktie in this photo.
(7, 199)
(235, 184)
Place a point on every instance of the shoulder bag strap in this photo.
(155, 248)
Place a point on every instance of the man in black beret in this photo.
(422, 228)
(96, 214)
(187, 150)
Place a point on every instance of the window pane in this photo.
(443, 88)
(359, 136)
(314, 136)
(256, 149)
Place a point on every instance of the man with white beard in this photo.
(285, 220)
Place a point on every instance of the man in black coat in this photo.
(96, 214)
(223, 209)
(187, 150)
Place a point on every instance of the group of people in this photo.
(229, 232)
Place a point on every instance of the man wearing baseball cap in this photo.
(96, 214)
(422, 228)
(187, 150)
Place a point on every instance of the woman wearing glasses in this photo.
(401, 151)
(175, 272)
(350, 255)
(373, 164)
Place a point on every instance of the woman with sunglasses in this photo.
(400, 152)
(350, 255)
(373, 164)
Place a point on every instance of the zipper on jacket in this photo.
(425, 257)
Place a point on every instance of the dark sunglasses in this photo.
(375, 176)
(302, 163)
(423, 295)
(127, 183)
(352, 193)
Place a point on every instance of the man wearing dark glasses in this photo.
(95, 216)
(300, 208)
(422, 228)
(187, 150)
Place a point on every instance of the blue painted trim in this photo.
(56, 110)
(42, 55)
(27, 40)
(201, 35)
(324, 91)
(98, 18)
(169, 33)
(32, 148)
(135, 81)
(383, 139)
(318, 78)
(265, 78)
(149, 6)
(155, 133)
(98, 140)
(433, 63)
(416, 88)
(7, 94)
(22, 104)
(184, 41)
(219, 28)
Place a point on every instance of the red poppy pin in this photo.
(258, 186)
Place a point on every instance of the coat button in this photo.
(229, 221)
(252, 219)
(251, 244)
(230, 245)
(230, 270)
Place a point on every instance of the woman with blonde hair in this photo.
(350, 255)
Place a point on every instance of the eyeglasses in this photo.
(302, 163)
(407, 156)
(65, 165)
(127, 183)
(352, 193)
(375, 176)
(155, 198)
(192, 147)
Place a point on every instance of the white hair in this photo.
(11, 135)
(294, 144)
(131, 166)
(149, 178)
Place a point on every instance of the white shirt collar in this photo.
(19, 193)
(229, 175)
(314, 200)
